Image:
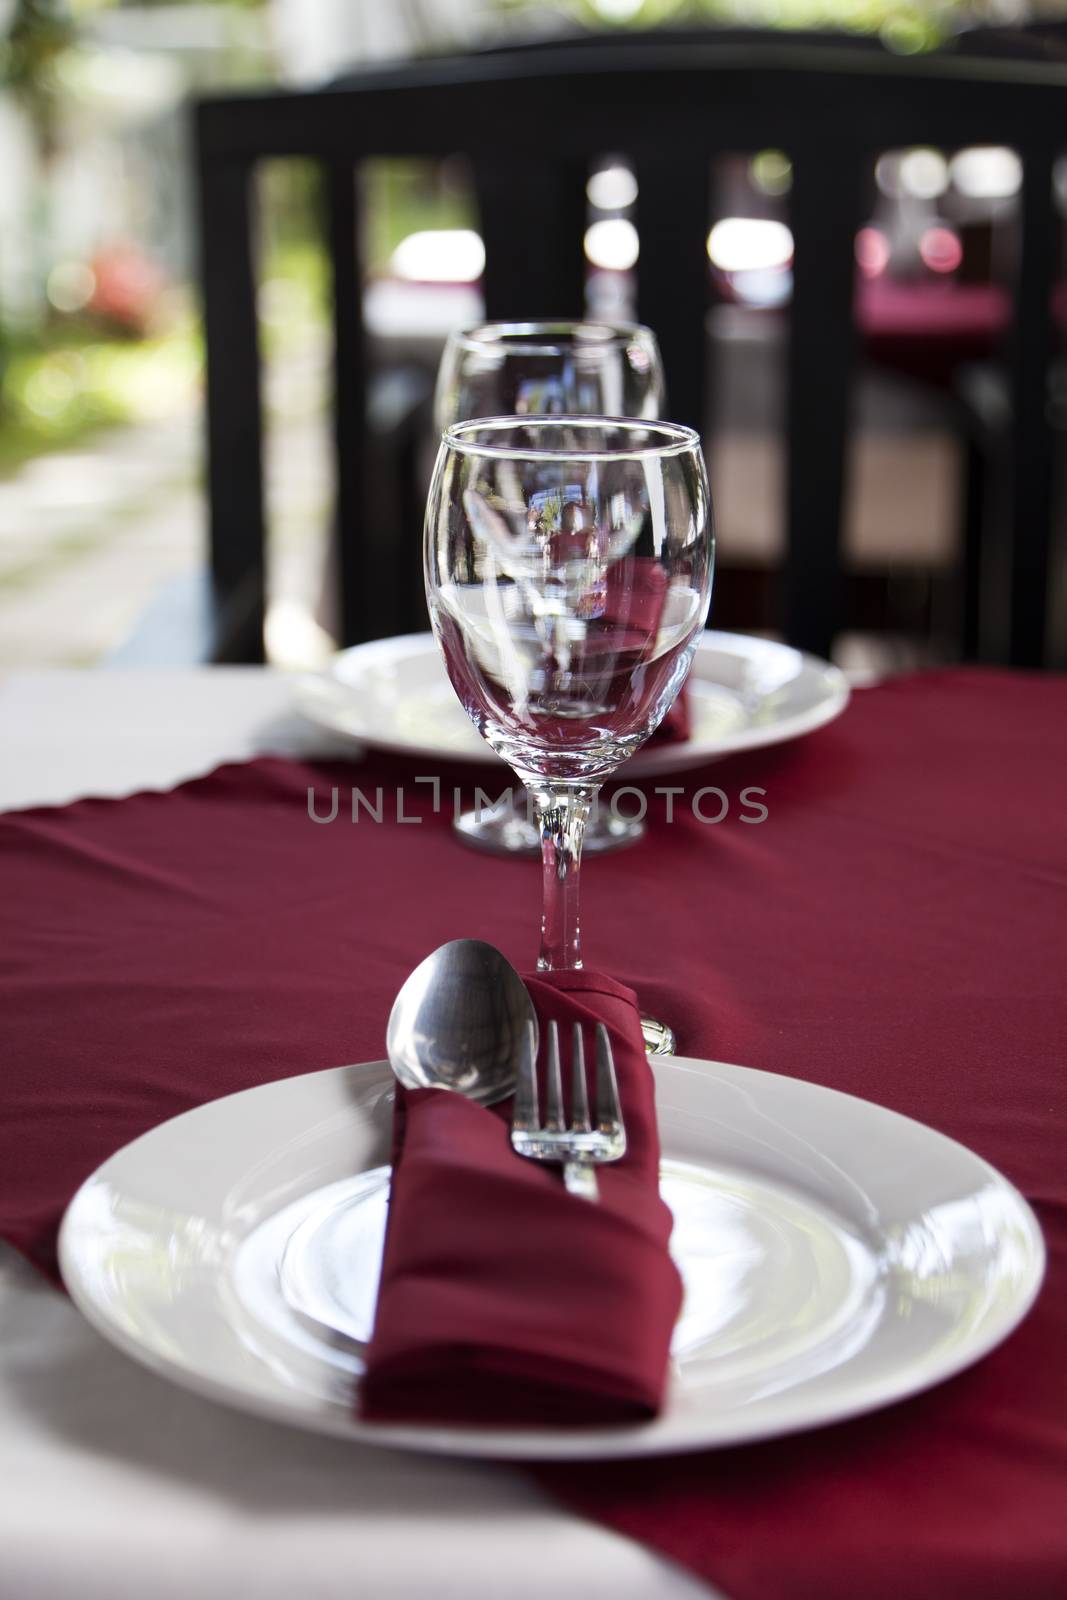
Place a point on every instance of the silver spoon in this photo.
(458, 1021)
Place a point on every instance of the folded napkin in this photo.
(503, 1298)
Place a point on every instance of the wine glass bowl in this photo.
(568, 574)
(529, 368)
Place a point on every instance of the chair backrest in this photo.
(531, 121)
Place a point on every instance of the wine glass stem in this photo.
(562, 810)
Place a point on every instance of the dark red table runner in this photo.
(895, 928)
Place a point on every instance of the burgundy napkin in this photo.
(505, 1299)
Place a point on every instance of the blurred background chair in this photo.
(532, 122)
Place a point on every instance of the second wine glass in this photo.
(546, 369)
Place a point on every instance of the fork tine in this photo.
(579, 1089)
(608, 1110)
(553, 1088)
(526, 1110)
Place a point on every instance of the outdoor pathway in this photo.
(90, 537)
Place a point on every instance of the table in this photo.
(154, 1491)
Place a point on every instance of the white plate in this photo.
(744, 693)
(836, 1257)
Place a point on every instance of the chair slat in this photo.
(673, 275)
(234, 407)
(532, 216)
(359, 596)
(825, 211)
(1033, 441)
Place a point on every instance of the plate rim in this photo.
(518, 1444)
(649, 760)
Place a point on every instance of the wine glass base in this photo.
(507, 831)
(658, 1037)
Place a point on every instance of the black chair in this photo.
(530, 121)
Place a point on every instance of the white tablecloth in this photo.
(115, 1483)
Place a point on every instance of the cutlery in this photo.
(459, 1023)
(581, 1147)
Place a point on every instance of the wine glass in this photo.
(501, 369)
(568, 576)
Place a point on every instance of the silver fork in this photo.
(581, 1147)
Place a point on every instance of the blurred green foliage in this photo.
(63, 384)
(39, 33)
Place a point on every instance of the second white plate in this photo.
(744, 693)
(836, 1257)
